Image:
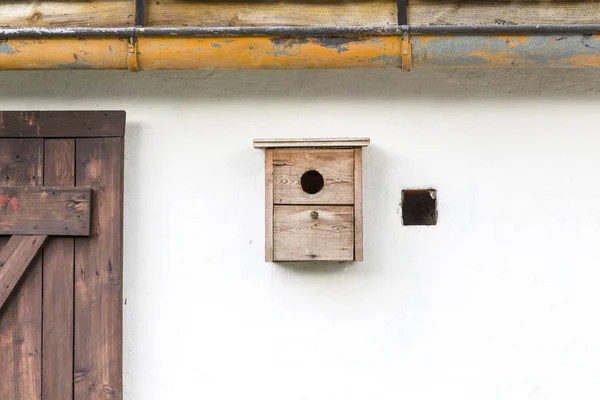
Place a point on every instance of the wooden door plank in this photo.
(45, 211)
(98, 276)
(21, 163)
(14, 260)
(62, 124)
(57, 344)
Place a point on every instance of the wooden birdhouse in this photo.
(313, 192)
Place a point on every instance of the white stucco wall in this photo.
(500, 300)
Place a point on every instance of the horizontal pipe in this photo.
(42, 32)
(298, 31)
(63, 53)
(269, 52)
(507, 51)
(275, 52)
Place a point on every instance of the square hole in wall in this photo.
(419, 207)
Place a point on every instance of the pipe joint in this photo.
(132, 55)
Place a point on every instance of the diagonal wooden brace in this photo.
(16, 256)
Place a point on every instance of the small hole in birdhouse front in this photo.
(312, 182)
(419, 207)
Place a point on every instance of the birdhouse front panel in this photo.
(313, 192)
(309, 233)
(313, 176)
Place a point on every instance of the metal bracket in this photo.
(407, 60)
(132, 55)
(140, 15)
(402, 12)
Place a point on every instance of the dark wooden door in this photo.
(61, 327)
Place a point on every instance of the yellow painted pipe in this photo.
(189, 53)
(63, 53)
(269, 53)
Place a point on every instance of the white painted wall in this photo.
(500, 300)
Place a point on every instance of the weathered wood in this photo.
(358, 205)
(271, 12)
(82, 13)
(304, 143)
(501, 12)
(14, 260)
(57, 355)
(335, 165)
(98, 276)
(66, 13)
(45, 211)
(313, 233)
(21, 163)
(61, 124)
(269, 205)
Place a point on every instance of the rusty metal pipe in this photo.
(279, 48)
(303, 31)
(300, 31)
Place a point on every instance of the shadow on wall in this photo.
(420, 85)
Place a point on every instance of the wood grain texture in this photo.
(62, 124)
(58, 293)
(21, 163)
(44, 211)
(358, 205)
(15, 258)
(501, 12)
(269, 205)
(271, 12)
(99, 273)
(83, 13)
(66, 13)
(336, 166)
(300, 237)
(313, 143)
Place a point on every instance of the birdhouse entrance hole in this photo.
(312, 182)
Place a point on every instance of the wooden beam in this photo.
(45, 210)
(61, 124)
(14, 260)
(271, 13)
(61, 13)
(502, 12)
